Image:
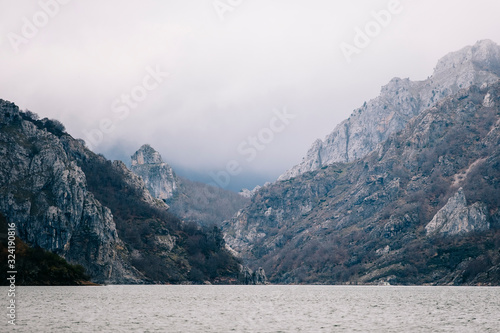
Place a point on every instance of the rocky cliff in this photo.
(253, 278)
(456, 217)
(158, 176)
(45, 193)
(97, 213)
(421, 208)
(399, 101)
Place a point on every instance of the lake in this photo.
(254, 309)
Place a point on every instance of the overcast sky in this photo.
(202, 81)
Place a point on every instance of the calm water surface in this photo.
(255, 309)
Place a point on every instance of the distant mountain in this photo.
(418, 206)
(96, 213)
(158, 176)
(191, 201)
(399, 101)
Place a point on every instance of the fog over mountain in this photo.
(203, 79)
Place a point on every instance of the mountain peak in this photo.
(146, 155)
(395, 84)
(158, 176)
(399, 101)
(485, 54)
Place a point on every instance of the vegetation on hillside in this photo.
(35, 266)
(204, 204)
(196, 254)
(364, 222)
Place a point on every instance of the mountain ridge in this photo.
(399, 101)
(158, 176)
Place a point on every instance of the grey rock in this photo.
(257, 277)
(137, 182)
(158, 176)
(456, 217)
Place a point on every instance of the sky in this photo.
(230, 92)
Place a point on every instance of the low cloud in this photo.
(226, 76)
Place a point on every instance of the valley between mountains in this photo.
(405, 191)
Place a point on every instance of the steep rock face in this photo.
(158, 176)
(364, 221)
(457, 218)
(45, 193)
(398, 102)
(253, 278)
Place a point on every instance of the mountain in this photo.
(45, 194)
(158, 176)
(399, 101)
(191, 201)
(421, 208)
(65, 199)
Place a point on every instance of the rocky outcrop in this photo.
(399, 101)
(158, 176)
(246, 193)
(45, 193)
(137, 183)
(257, 277)
(456, 217)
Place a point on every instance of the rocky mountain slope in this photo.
(38, 266)
(399, 101)
(97, 213)
(45, 193)
(191, 201)
(158, 176)
(421, 208)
